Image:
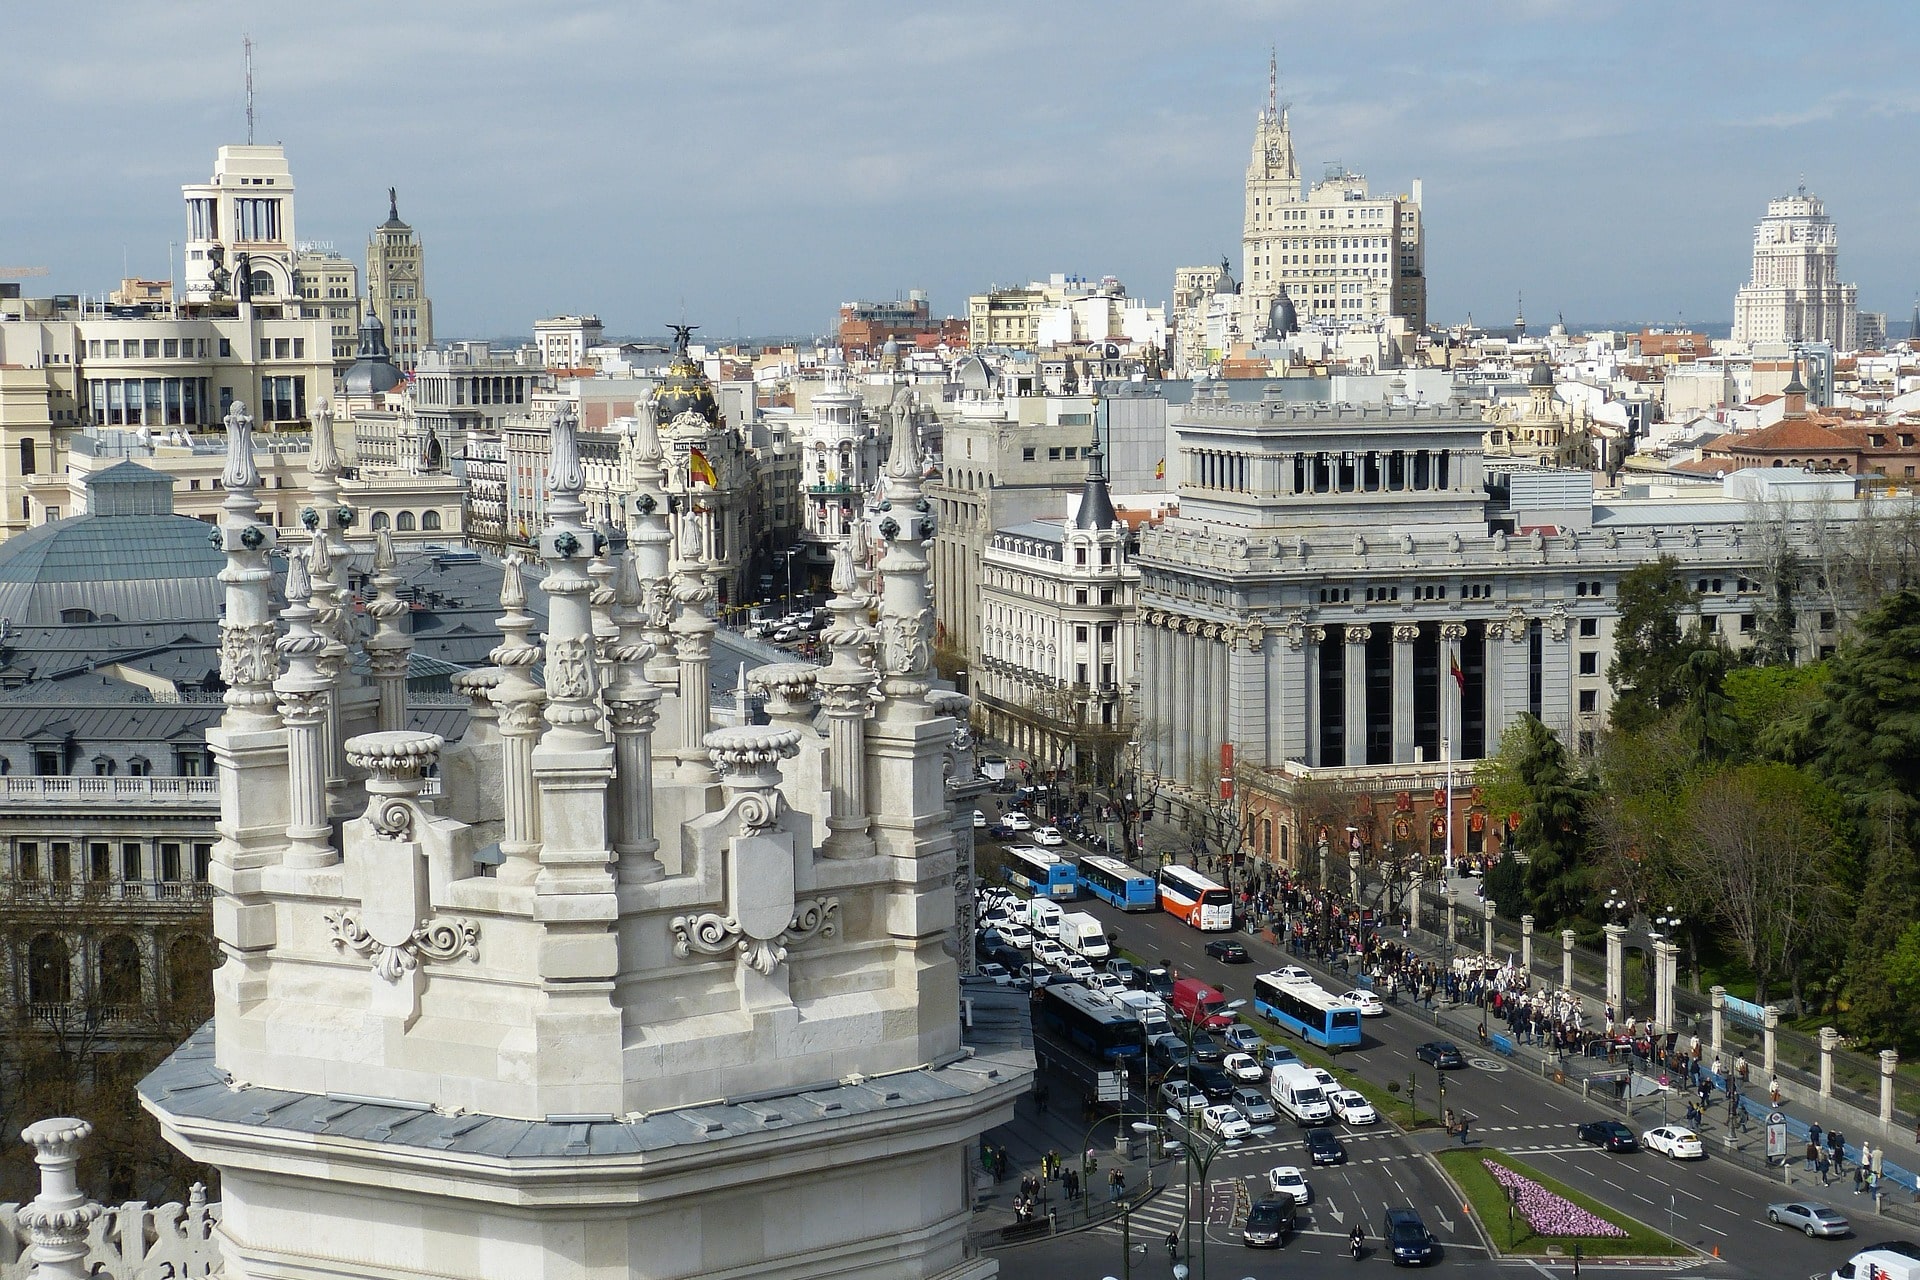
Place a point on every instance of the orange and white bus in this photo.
(1190, 896)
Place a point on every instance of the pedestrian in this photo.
(1821, 1163)
(1837, 1147)
(1813, 1154)
(1740, 1067)
(1816, 1135)
(1773, 1093)
(1858, 1178)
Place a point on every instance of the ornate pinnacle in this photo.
(566, 477)
(324, 460)
(903, 463)
(240, 474)
(513, 587)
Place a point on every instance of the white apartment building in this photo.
(244, 212)
(1342, 254)
(563, 340)
(842, 452)
(329, 289)
(1063, 310)
(1795, 294)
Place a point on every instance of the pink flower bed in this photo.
(1547, 1213)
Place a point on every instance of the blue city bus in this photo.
(1096, 1029)
(1306, 1010)
(1117, 884)
(1043, 874)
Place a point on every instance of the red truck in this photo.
(1197, 1002)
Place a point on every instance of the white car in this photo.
(1016, 821)
(996, 974)
(1290, 973)
(1048, 836)
(1226, 1121)
(1241, 1066)
(979, 819)
(1242, 1037)
(1369, 1004)
(1286, 1180)
(1077, 969)
(1014, 935)
(1674, 1142)
(1049, 953)
(1326, 1079)
(1352, 1107)
(1182, 1096)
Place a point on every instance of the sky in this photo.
(750, 166)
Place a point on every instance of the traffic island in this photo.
(1521, 1210)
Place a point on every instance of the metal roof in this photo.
(129, 566)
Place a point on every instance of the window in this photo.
(1026, 455)
(226, 352)
(26, 457)
(380, 521)
(1589, 700)
(430, 520)
(404, 522)
(99, 861)
(26, 861)
(48, 762)
(1589, 627)
(119, 971)
(1589, 663)
(170, 861)
(49, 970)
(130, 868)
(1826, 621)
(202, 862)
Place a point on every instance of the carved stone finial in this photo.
(788, 686)
(241, 472)
(324, 459)
(747, 754)
(566, 477)
(395, 755)
(383, 557)
(58, 1218)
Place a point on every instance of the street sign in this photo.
(1776, 1139)
(1113, 1086)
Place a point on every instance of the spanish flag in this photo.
(1160, 469)
(698, 468)
(1459, 676)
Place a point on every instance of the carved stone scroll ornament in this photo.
(442, 938)
(713, 934)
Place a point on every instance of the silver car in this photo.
(1814, 1219)
(1255, 1106)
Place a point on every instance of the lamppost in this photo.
(1126, 1203)
(1204, 1160)
(790, 553)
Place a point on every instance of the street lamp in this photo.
(1665, 925)
(1126, 1203)
(1615, 905)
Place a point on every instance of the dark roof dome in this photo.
(1096, 503)
(685, 389)
(1282, 318)
(1542, 375)
(373, 371)
(130, 557)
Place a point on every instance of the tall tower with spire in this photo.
(397, 286)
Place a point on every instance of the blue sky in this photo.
(751, 165)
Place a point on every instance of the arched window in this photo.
(119, 971)
(49, 970)
(404, 522)
(190, 970)
(430, 520)
(380, 521)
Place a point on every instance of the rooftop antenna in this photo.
(246, 43)
(1273, 83)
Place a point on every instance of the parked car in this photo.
(1016, 821)
(1352, 1107)
(1242, 1037)
(1276, 1055)
(1814, 1219)
(1408, 1241)
(1077, 969)
(1369, 1004)
(1123, 970)
(1224, 1121)
(1326, 1078)
(1441, 1053)
(1015, 936)
(1183, 1096)
(1674, 1142)
(1255, 1106)
(1324, 1148)
(1227, 951)
(1287, 1180)
(1107, 983)
(1048, 836)
(1207, 1049)
(1609, 1135)
(1269, 1223)
(996, 974)
(1241, 1066)
(1049, 952)
(979, 819)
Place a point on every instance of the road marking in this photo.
(1717, 1231)
(1509, 1110)
(1643, 1200)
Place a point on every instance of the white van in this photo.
(1043, 917)
(1300, 1095)
(1150, 1009)
(1082, 933)
(1882, 1264)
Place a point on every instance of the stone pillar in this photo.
(1315, 637)
(1180, 716)
(1616, 984)
(1287, 707)
(1566, 959)
(693, 648)
(1666, 962)
(1829, 1041)
(1451, 636)
(519, 700)
(1404, 634)
(57, 1219)
(1452, 916)
(633, 708)
(1495, 686)
(303, 693)
(1486, 922)
(1526, 945)
(1356, 694)
(846, 689)
(390, 645)
(1889, 1064)
(652, 543)
(1413, 901)
(1219, 701)
(1769, 1026)
(1719, 997)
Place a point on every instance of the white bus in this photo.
(1190, 896)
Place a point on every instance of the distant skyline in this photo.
(752, 167)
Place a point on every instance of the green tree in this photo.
(1553, 824)
(1652, 642)
(1771, 708)
(1773, 642)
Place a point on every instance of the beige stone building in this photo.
(1796, 294)
(397, 286)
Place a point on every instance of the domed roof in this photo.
(1542, 375)
(373, 371)
(685, 389)
(1282, 318)
(133, 558)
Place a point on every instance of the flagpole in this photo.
(1446, 741)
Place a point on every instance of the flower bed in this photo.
(1547, 1213)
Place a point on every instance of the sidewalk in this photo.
(1032, 1134)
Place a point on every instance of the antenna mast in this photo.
(246, 43)
(1273, 83)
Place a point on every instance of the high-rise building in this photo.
(1795, 294)
(242, 215)
(1341, 254)
(397, 286)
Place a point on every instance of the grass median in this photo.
(1489, 1200)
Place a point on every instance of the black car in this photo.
(1158, 981)
(1269, 1223)
(1206, 1048)
(1609, 1134)
(1324, 1148)
(1215, 1083)
(1441, 1053)
(1227, 951)
(1001, 831)
(1408, 1241)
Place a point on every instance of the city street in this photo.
(1710, 1205)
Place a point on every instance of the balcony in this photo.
(105, 893)
(169, 791)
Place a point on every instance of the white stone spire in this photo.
(652, 541)
(904, 523)
(846, 687)
(304, 703)
(633, 708)
(519, 700)
(693, 647)
(391, 644)
(248, 659)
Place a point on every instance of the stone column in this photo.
(1719, 997)
(57, 1219)
(328, 519)
(652, 543)
(1486, 923)
(1404, 634)
(1356, 694)
(1451, 636)
(693, 648)
(1889, 1064)
(1526, 946)
(846, 687)
(1666, 961)
(1829, 1041)
(1769, 1026)
(520, 701)
(633, 708)
(1220, 700)
(1495, 654)
(303, 708)
(390, 645)
(1413, 901)
(1286, 696)
(1616, 953)
(1315, 637)
(1566, 959)
(1453, 910)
